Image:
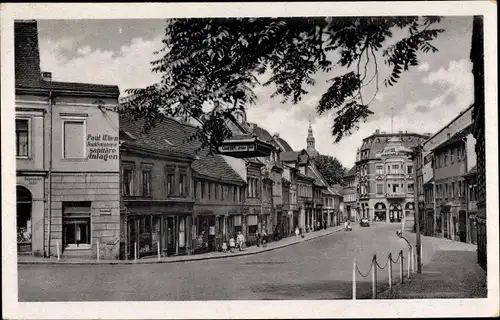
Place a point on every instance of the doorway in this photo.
(23, 213)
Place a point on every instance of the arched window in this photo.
(23, 212)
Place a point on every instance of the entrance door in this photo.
(169, 227)
(462, 226)
(23, 212)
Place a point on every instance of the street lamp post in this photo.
(417, 153)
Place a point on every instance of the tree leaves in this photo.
(330, 168)
(216, 60)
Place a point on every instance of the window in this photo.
(380, 169)
(409, 169)
(76, 224)
(459, 152)
(146, 182)
(128, 181)
(74, 139)
(453, 189)
(446, 194)
(460, 189)
(202, 189)
(170, 184)
(183, 184)
(210, 191)
(452, 155)
(195, 187)
(380, 188)
(395, 188)
(410, 188)
(445, 158)
(22, 137)
(235, 194)
(222, 191)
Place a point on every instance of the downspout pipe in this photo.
(49, 222)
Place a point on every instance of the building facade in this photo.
(350, 196)
(452, 161)
(430, 210)
(67, 153)
(386, 177)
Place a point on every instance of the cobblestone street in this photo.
(316, 269)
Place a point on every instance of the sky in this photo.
(118, 52)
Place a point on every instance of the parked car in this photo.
(364, 222)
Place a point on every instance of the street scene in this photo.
(327, 158)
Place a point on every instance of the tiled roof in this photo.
(457, 136)
(377, 143)
(351, 172)
(285, 145)
(289, 156)
(27, 65)
(26, 54)
(172, 135)
(318, 180)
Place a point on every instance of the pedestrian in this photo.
(264, 238)
(224, 246)
(232, 244)
(240, 239)
(297, 232)
(259, 238)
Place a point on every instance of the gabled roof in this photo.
(177, 134)
(351, 172)
(318, 179)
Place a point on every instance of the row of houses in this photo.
(446, 181)
(89, 177)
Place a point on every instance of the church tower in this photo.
(311, 148)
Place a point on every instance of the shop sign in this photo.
(237, 148)
(32, 180)
(102, 147)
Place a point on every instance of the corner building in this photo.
(385, 176)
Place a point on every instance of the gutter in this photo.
(49, 228)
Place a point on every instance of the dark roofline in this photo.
(447, 125)
(377, 135)
(61, 88)
(154, 152)
(454, 138)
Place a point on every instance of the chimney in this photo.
(276, 135)
(377, 131)
(448, 135)
(46, 76)
(400, 131)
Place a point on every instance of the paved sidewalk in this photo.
(452, 272)
(285, 242)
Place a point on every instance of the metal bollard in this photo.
(374, 277)
(135, 251)
(401, 266)
(409, 262)
(390, 271)
(98, 251)
(57, 248)
(354, 280)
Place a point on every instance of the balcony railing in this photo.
(393, 195)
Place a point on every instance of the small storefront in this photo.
(147, 232)
(380, 212)
(395, 212)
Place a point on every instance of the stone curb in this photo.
(131, 262)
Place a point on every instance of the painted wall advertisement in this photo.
(102, 147)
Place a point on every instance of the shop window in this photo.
(76, 224)
(146, 182)
(128, 180)
(24, 204)
(182, 232)
(22, 137)
(74, 139)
